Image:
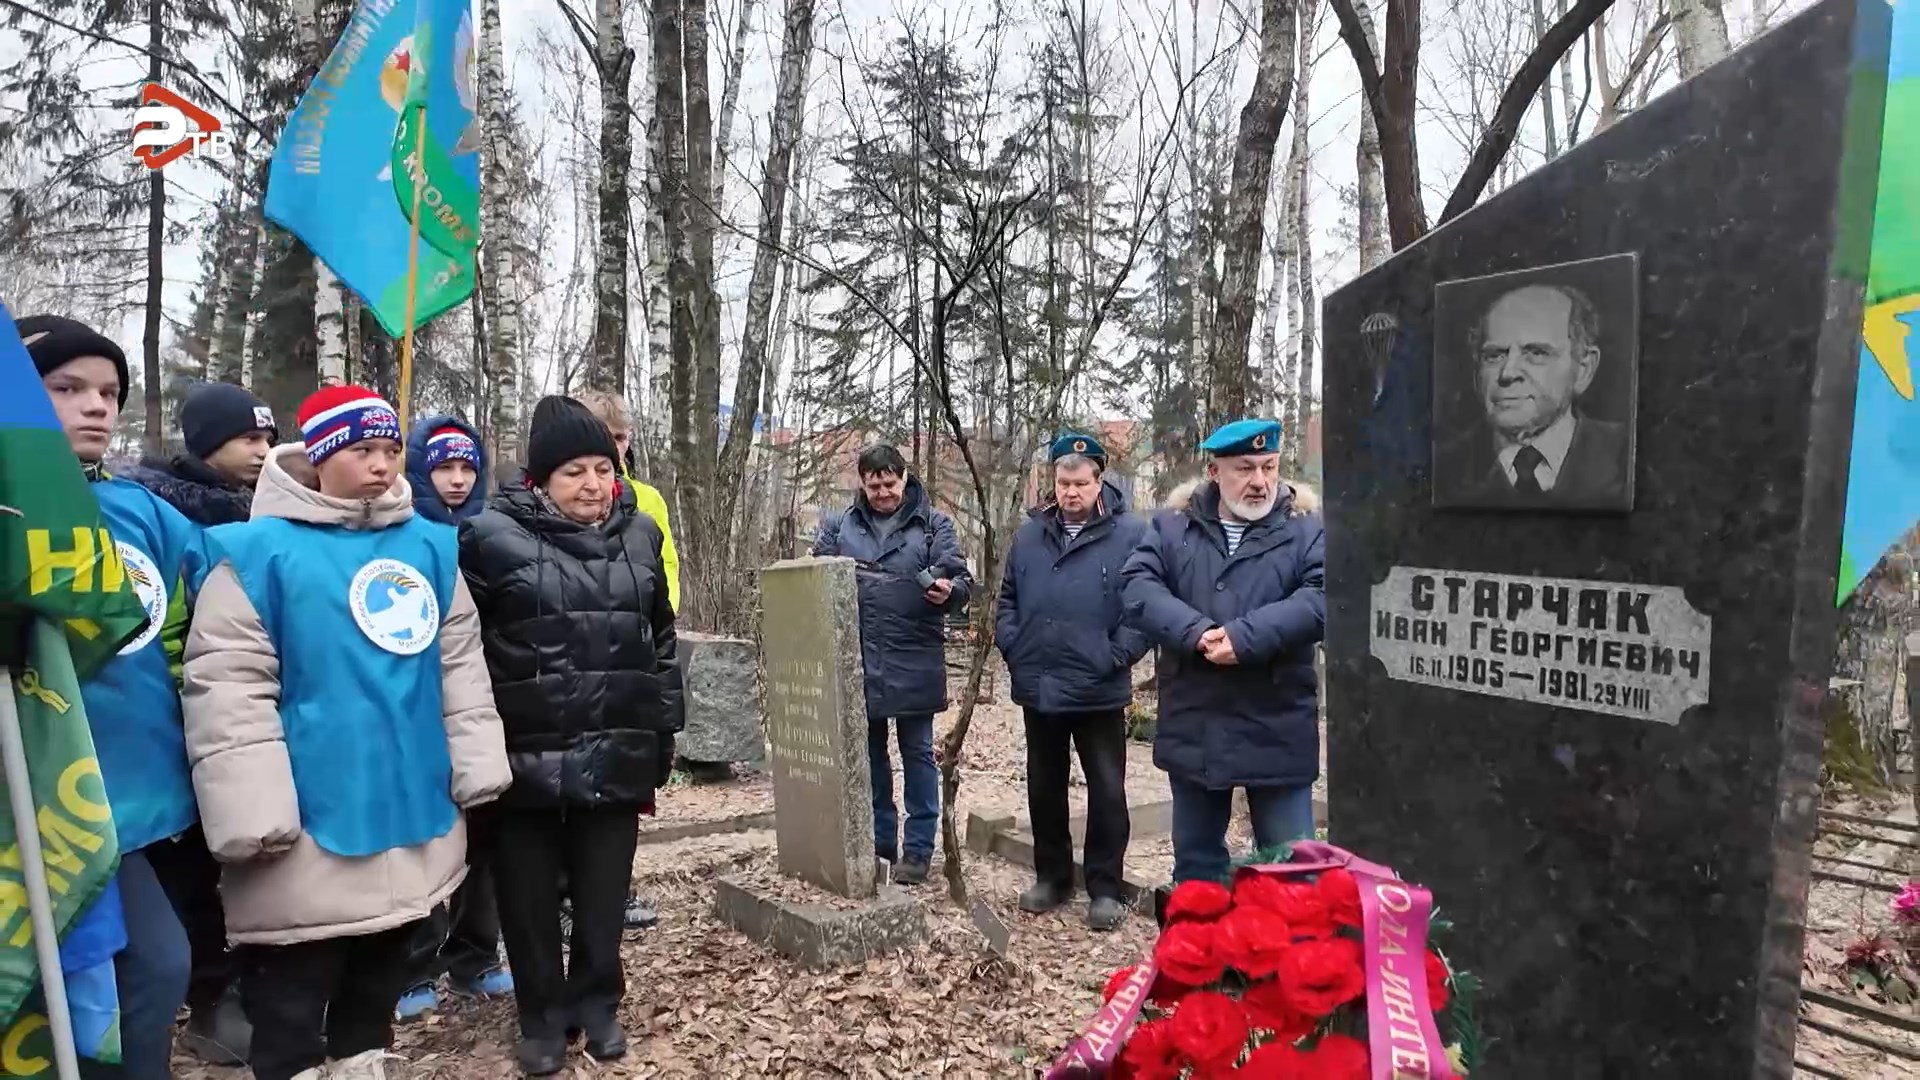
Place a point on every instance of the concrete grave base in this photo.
(816, 935)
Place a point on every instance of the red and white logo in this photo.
(168, 127)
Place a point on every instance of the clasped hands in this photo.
(1217, 647)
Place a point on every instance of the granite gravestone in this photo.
(822, 795)
(722, 678)
(817, 723)
(1592, 727)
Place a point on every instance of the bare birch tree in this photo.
(498, 298)
(1260, 123)
(1700, 32)
(1371, 196)
(789, 103)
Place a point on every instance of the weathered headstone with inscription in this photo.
(722, 679)
(822, 794)
(817, 724)
(1579, 617)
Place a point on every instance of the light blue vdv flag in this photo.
(331, 181)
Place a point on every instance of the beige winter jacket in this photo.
(278, 886)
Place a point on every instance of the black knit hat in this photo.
(216, 412)
(564, 429)
(52, 340)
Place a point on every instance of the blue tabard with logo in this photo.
(354, 617)
(133, 703)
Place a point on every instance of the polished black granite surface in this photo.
(1631, 891)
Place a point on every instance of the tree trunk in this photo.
(790, 96)
(329, 299)
(1550, 128)
(1570, 107)
(701, 216)
(156, 251)
(1300, 365)
(249, 318)
(729, 103)
(670, 111)
(1260, 124)
(500, 304)
(330, 325)
(1281, 268)
(657, 297)
(1371, 197)
(1700, 32)
(607, 369)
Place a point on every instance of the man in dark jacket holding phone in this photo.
(911, 575)
(1071, 656)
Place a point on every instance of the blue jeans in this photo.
(150, 975)
(922, 784)
(1201, 816)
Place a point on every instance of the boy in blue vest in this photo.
(133, 704)
(447, 469)
(339, 718)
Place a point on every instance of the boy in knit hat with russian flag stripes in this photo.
(340, 720)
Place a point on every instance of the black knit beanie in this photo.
(564, 429)
(216, 412)
(52, 340)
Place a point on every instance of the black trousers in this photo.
(461, 938)
(1101, 739)
(322, 999)
(532, 849)
(191, 878)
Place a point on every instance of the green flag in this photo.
(59, 571)
(435, 145)
(56, 559)
(80, 852)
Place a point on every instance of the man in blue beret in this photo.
(1228, 583)
(1071, 659)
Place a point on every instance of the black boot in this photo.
(219, 1033)
(541, 1056)
(542, 1050)
(1043, 897)
(606, 1040)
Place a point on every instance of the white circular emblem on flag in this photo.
(394, 606)
(148, 588)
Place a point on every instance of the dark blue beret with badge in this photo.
(1073, 442)
(1243, 438)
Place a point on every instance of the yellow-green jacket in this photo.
(650, 502)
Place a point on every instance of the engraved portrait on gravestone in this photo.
(1535, 386)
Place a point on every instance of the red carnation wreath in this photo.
(1312, 969)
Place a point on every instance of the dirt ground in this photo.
(703, 1001)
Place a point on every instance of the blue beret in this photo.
(1244, 437)
(1073, 442)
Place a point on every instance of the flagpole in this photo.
(413, 258)
(46, 940)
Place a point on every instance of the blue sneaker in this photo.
(496, 981)
(416, 1003)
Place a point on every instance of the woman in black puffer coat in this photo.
(580, 644)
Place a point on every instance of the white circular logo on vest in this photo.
(394, 606)
(148, 588)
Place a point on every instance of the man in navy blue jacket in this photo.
(911, 575)
(1229, 584)
(1071, 657)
